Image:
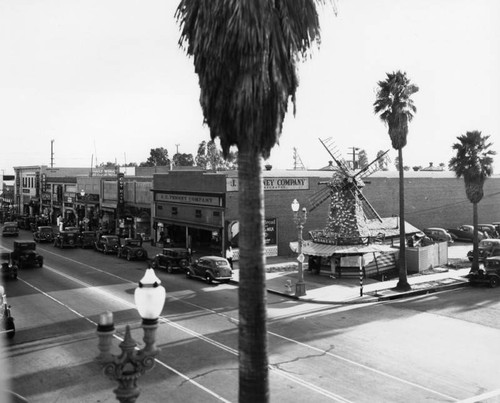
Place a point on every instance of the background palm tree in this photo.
(245, 54)
(396, 109)
(474, 162)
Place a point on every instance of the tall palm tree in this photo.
(396, 109)
(245, 53)
(474, 162)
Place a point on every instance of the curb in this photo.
(370, 299)
(424, 291)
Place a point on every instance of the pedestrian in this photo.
(230, 255)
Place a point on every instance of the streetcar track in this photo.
(224, 347)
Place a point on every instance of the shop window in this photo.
(174, 210)
(197, 213)
(216, 213)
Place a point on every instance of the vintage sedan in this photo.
(132, 250)
(86, 239)
(10, 228)
(438, 234)
(107, 244)
(172, 259)
(44, 233)
(210, 269)
(489, 274)
(487, 248)
(25, 255)
(465, 233)
(66, 239)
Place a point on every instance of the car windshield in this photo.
(45, 230)
(112, 241)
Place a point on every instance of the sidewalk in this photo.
(321, 288)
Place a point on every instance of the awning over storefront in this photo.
(319, 249)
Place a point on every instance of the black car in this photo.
(107, 244)
(25, 255)
(66, 239)
(43, 233)
(9, 270)
(132, 250)
(86, 239)
(489, 274)
(465, 233)
(210, 268)
(10, 228)
(487, 248)
(172, 259)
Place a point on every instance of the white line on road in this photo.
(481, 397)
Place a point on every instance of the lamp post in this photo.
(127, 367)
(84, 198)
(299, 218)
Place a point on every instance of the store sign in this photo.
(190, 199)
(121, 193)
(273, 184)
(270, 231)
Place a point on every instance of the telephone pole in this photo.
(52, 153)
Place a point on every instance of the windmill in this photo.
(349, 209)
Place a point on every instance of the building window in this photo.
(216, 213)
(174, 210)
(197, 213)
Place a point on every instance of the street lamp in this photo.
(127, 367)
(299, 218)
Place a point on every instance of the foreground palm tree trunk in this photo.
(403, 277)
(253, 362)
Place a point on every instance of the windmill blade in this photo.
(371, 168)
(329, 145)
(318, 198)
(367, 207)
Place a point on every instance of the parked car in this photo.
(132, 250)
(438, 234)
(107, 244)
(488, 229)
(489, 274)
(66, 239)
(9, 270)
(210, 268)
(10, 228)
(25, 254)
(487, 248)
(172, 259)
(86, 239)
(464, 233)
(43, 234)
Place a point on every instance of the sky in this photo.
(107, 81)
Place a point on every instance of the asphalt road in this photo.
(435, 348)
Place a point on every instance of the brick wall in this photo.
(433, 201)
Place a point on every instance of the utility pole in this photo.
(52, 153)
(354, 149)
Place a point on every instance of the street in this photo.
(437, 348)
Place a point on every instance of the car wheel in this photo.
(40, 263)
(129, 256)
(139, 254)
(493, 282)
(208, 278)
(169, 268)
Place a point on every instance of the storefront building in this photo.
(199, 209)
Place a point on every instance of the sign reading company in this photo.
(203, 200)
(273, 184)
